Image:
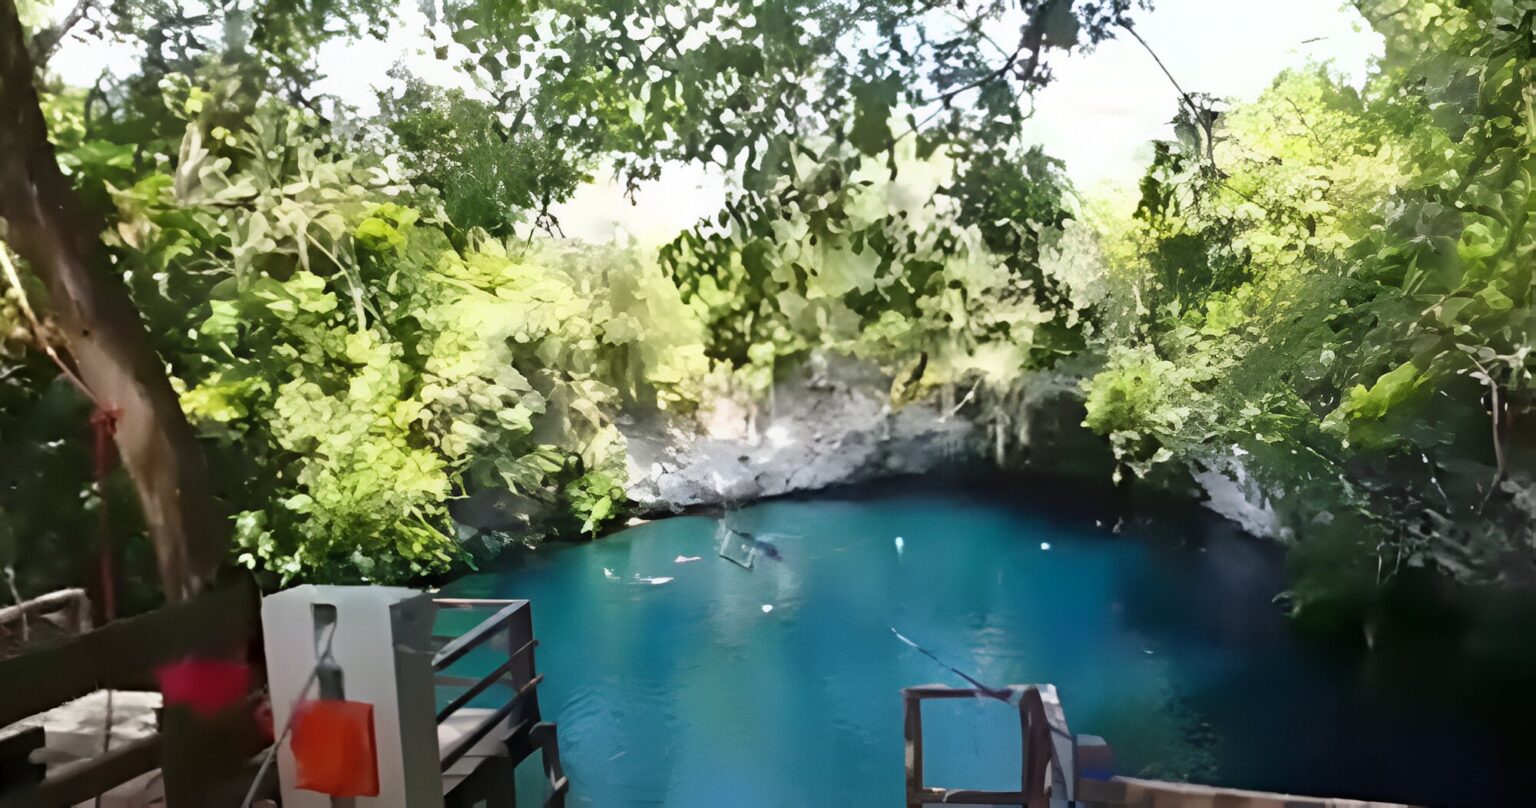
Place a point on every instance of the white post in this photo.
(383, 643)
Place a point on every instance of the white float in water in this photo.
(654, 581)
(1045, 545)
(899, 545)
(685, 559)
(608, 573)
(767, 607)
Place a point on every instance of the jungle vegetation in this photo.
(308, 331)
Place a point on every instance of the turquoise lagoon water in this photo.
(779, 685)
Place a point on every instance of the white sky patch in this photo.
(1105, 107)
(1099, 115)
(355, 71)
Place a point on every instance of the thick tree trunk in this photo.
(46, 224)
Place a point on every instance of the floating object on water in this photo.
(685, 559)
(742, 548)
(734, 550)
(762, 547)
(900, 545)
(654, 581)
(608, 573)
(767, 607)
(1045, 545)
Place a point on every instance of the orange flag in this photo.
(333, 748)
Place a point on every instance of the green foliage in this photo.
(490, 175)
(850, 257)
(745, 84)
(356, 370)
(1337, 291)
(1329, 290)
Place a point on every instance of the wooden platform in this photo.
(1056, 766)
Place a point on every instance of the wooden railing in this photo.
(1059, 768)
(1045, 774)
(525, 731)
(122, 655)
(1130, 791)
(68, 611)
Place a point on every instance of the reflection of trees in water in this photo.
(1155, 730)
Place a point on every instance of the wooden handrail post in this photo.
(913, 732)
(1036, 780)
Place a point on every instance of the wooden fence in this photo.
(123, 655)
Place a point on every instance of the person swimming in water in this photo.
(767, 548)
(757, 541)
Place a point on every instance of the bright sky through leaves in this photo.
(1099, 115)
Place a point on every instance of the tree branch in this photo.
(46, 224)
(1498, 443)
(48, 40)
(1198, 113)
(1031, 40)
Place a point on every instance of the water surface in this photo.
(779, 686)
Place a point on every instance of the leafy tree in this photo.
(47, 225)
(355, 369)
(489, 174)
(239, 224)
(1337, 289)
(744, 84)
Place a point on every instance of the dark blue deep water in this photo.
(1164, 641)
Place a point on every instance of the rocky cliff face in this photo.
(1230, 492)
(829, 424)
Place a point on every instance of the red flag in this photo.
(333, 748)
(207, 686)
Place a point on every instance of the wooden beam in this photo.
(49, 603)
(1064, 759)
(964, 796)
(125, 652)
(1035, 766)
(1038, 751)
(913, 733)
(462, 745)
(16, 766)
(74, 783)
(1129, 791)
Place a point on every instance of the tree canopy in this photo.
(368, 320)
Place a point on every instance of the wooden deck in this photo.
(1058, 767)
(479, 747)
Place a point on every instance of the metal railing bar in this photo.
(78, 781)
(482, 729)
(456, 649)
(474, 690)
(473, 737)
(488, 680)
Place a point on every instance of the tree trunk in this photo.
(47, 225)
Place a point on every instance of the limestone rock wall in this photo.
(828, 425)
